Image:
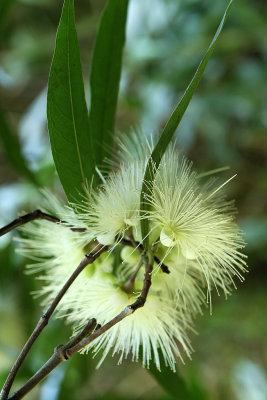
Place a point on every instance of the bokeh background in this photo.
(225, 125)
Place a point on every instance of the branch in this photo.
(36, 214)
(43, 321)
(140, 302)
(63, 353)
(57, 358)
(129, 285)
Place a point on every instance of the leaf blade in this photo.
(174, 384)
(105, 76)
(172, 125)
(67, 113)
(171, 382)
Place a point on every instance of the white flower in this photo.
(193, 238)
(162, 324)
(197, 222)
(114, 208)
(134, 146)
(159, 325)
(183, 285)
(55, 249)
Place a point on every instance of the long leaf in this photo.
(12, 148)
(171, 127)
(105, 76)
(67, 112)
(174, 384)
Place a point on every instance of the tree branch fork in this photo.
(88, 333)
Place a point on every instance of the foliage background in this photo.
(225, 125)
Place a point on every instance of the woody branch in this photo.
(43, 321)
(64, 352)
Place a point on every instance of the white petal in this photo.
(106, 238)
(167, 240)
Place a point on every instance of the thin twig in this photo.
(57, 358)
(36, 214)
(62, 353)
(43, 321)
(162, 266)
(129, 284)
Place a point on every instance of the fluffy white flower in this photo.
(162, 324)
(159, 325)
(114, 208)
(192, 236)
(197, 222)
(135, 146)
(55, 250)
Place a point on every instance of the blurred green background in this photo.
(225, 125)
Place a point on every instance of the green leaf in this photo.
(105, 76)
(12, 149)
(67, 112)
(171, 127)
(171, 382)
(5, 8)
(77, 377)
(175, 385)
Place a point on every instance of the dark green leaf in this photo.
(171, 381)
(12, 148)
(67, 112)
(105, 76)
(172, 125)
(5, 8)
(78, 374)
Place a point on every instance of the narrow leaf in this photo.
(12, 148)
(105, 76)
(67, 112)
(172, 382)
(172, 125)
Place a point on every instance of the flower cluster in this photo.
(193, 239)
